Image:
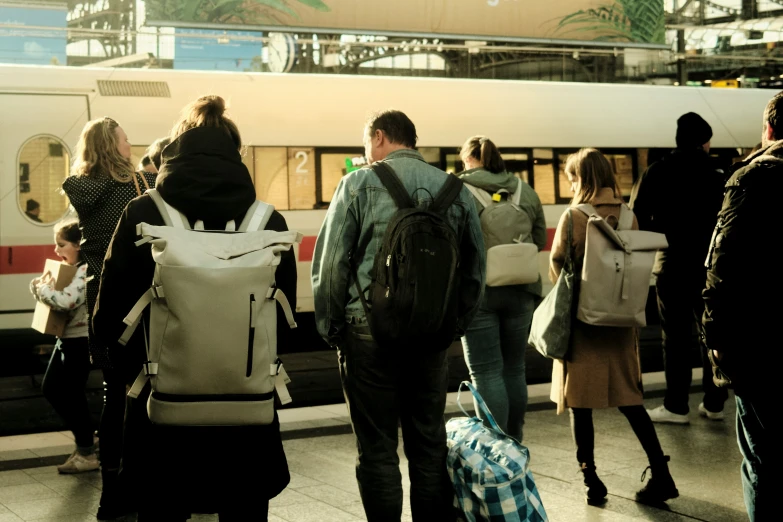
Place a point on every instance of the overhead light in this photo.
(707, 81)
(676, 84)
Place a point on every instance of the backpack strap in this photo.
(392, 182)
(517, 197)
(481, 195)
(586, 208)
(447, 194)
(256, 217)
(171, 216)
(626, 218)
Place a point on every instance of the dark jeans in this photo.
(495, 345)
(64, 387)
(761, 453)
(112, 419)
(384, 389)
(642, 426)
(679, 306)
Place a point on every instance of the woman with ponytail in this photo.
(496, 340)
(101, 184)
(234, 470)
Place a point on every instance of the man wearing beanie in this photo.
(680, 196)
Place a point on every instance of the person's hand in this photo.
(47, 279)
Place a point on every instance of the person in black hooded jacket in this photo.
(229, 470)
(680, 196)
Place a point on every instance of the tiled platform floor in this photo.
(705, 465)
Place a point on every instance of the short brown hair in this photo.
(773, 115)
(593, 172)
(207, 111)
(397, 127)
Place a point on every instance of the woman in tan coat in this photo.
(602, 368)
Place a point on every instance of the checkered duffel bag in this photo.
(489, 470)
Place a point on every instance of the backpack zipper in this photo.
(251, 336)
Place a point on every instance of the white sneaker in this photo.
(712, 415)
(661, 414)
(78, 463)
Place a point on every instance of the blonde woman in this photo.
(602, 369)
(101, 184)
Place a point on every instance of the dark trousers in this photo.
(112, 419)
(384, 389)
(680, 305)
(64, 387)
(758, 436)
(642, 426)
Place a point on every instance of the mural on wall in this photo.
(229, 11)
(639, 21)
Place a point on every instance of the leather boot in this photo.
(595, 490)
(660, 487)
(112, 505)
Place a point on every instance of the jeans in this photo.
(760, 451)
(64, 387)
(680, 305)
(638, 418)
(384, 389)
(495, 344)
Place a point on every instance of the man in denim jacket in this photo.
(382, 387)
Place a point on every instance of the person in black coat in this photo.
(229, 470)
(680, 196)
(101, 185)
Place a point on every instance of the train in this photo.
(303, 132)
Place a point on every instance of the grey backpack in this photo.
(212, 352)
(616, 272)
(512, 257)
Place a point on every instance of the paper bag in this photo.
(46, 320)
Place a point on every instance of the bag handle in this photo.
(447, 194)
(569, 262)
(481, 404)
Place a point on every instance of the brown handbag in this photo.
(136, 182)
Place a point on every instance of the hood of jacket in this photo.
(84, 192)
(772, 153)
(486, 180)
(203, 176)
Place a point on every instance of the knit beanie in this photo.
(692, 131)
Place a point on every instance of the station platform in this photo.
(321, 453)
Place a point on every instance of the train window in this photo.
(518, 164)
(431, 155)
(43, 166)
(270, 174)
(544, 175)
(623, 169)
(333, 166)
(453, 163)
(301, 178)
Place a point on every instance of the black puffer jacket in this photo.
(680, 196)
(741, 310)
(99, 204)
(197, 469)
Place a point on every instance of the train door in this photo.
(38, 134)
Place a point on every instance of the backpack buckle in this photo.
(157, 291)
(150, 368)
(272, 292)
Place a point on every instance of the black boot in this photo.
(595, 490)
(660, 487)
(112, 505)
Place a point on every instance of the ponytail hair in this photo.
(482, 149)
(207, 111)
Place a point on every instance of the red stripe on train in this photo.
(30, 259)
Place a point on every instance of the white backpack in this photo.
(616, 272)
(512, 258)
(212, 352)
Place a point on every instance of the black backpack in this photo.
(415, 284)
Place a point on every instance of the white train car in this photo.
(300, 130)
